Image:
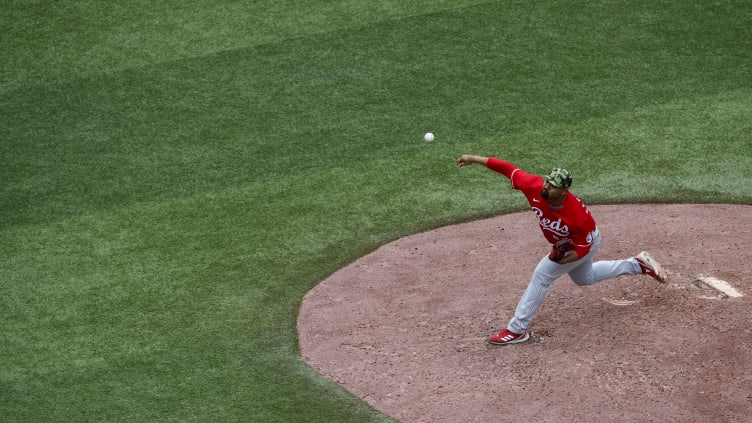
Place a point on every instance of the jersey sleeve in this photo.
(500, 166)
(520, 179)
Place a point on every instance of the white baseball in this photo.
(428, 137)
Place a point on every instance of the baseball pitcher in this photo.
(567, 224)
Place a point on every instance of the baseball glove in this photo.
(560, 248)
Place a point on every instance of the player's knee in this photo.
(583, 280)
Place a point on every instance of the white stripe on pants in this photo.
(583, 272)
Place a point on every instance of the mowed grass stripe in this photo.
(47, 43)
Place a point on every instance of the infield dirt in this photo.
(404, 327)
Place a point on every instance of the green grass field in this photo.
(177, 175)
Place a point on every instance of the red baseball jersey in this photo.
(572, 219)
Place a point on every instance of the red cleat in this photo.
(506, 337)
(651, 267)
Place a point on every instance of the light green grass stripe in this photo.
(46, 42)
(696, 149)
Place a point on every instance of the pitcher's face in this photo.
(553, 194)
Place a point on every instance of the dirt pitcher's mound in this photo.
(404, 328)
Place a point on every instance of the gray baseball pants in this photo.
(583, 272)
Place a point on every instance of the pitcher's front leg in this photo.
(545, 273)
